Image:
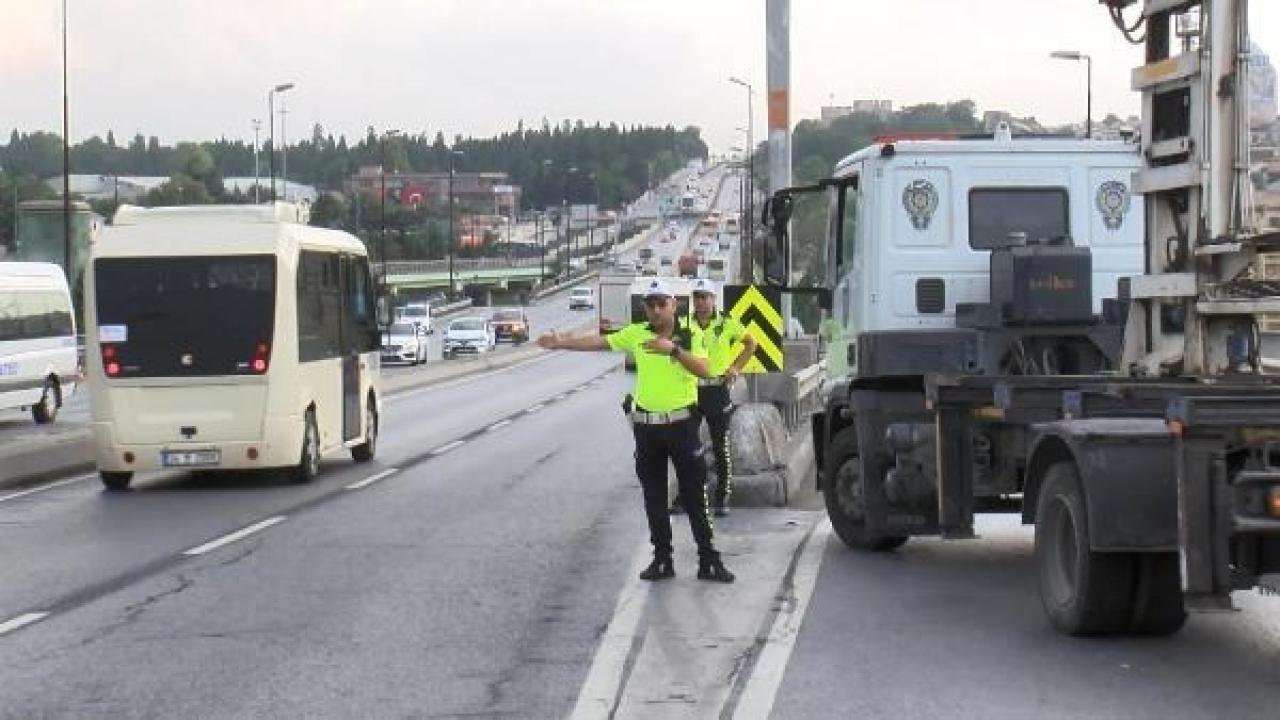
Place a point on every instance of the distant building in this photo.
(134, 188)
(879, 108)
(488, 192)
(1262, 87)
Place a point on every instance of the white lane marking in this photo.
(360, 484)
(42, 488)
(604, 679)
(534, 408)
(232, 537)
(761, 688)
(498, 425)
(447, 447)
(22, 620)
(560, 397)
(470, 378)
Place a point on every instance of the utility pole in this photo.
(778, 74)
(257, 128)
(66, 160)
(284, 150)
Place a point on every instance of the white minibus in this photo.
(229, 337)
(39, 366)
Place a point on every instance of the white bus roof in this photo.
(279, 212)
(989, 146)
(216, 230)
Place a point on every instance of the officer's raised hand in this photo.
(660, 345)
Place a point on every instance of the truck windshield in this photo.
(186, 316)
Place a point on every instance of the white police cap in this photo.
(658, 288)
(703, 285)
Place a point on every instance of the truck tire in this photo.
(842, 493)
(1157, 600)
(1084, 593)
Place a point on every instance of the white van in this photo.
(39, 367)
(229, 337)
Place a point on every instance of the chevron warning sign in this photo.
(756, 308)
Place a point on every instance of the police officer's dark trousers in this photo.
(715, 406)
(677, 441)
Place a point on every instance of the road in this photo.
(484, 565)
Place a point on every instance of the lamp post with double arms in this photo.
(748, 230)
(1077, 56)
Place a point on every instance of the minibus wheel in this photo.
(46, 410)
(116, 481)
(364, 451)
(309, 460)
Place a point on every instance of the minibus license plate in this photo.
(190, 458)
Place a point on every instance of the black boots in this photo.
(714, 570)
(659, 569)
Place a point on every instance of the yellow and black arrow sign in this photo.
(757, 308)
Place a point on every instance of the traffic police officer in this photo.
(718, 333)
(665, 420)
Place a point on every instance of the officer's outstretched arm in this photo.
(552, 341)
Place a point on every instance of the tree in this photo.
(179, 190)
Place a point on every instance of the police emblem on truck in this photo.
(920, 199)
(1113, 203)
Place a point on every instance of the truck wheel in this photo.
(308, 466)
(46, 411)
(842, 492)
(1157, 601)
(1083, 592)
(363, 452)
(115, 481)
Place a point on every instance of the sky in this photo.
(200, 69)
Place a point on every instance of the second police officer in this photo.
(664, 418)
(718, 333)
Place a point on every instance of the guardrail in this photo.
(796, 394)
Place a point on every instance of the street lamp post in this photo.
(382, 204)
(452, 154)
(66, 159)
(271, 127)
(1077, 56)
(749, 228)
(257, 129)
(542, 252)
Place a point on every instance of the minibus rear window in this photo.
(186, 316)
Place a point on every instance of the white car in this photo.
(469, 335)
(582, 297)
(405, 342)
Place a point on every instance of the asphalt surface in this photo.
(470, 582)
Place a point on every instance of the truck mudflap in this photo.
(1128, 470)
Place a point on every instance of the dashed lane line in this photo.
(534, 408)
(42, 488)
(498, 425)
(447, 447)
(610, 667)
(21, 621)
(361, 484)
(233, 537)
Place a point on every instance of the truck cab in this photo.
(913, 227)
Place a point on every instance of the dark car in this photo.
(510, 324)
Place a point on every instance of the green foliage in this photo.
(181, 189)
(13, 190)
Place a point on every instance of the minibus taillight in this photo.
(261, 354)
(109, 361)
